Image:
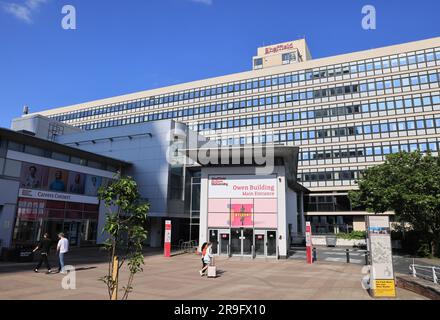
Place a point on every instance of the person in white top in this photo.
(62, 248)
(207, 258)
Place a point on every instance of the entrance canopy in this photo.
(251, 156)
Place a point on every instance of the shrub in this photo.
(354, 235)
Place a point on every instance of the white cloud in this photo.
(206, 2)
(34, 4)
(23, 11)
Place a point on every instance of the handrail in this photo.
(433, 275)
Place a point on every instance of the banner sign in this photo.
(241, 215)
(56, 196)
(167, 246)
(242, 187)
(379, 240)
(309, 245)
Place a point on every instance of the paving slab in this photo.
(178, 278)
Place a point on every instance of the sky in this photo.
(124, 46)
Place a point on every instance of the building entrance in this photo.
(265, 243)
(241, 241)
(72, 232)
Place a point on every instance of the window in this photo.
(288, 57)
(15, 146)
(258, 64)
(60, 156)
(12, 168)
(420, 124)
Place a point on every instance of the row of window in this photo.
(328, 203)
(362, 151)
(309, 75)
(25, 148)
(377, 128)
(330, 175)
(330, 224)
(396, 82)
(269, 118)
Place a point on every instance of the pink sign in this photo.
(241, 215)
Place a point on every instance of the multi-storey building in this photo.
(345, 112)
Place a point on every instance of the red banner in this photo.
(241, 215)
(167, 246)
(309, 245)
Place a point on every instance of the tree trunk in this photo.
(115, 277)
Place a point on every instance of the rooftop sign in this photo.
(279, 48)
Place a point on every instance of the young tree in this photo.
(125, 226)
(409, 185)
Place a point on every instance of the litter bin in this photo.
(330, 240)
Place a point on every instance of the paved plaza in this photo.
(178, 278)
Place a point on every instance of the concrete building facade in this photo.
(345, 113)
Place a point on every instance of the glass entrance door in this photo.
(242, 241)
(224, 243)
(259, 244)
(247, 238)
(271, 243)
(213, 238)
(72, 232)
(235, 241)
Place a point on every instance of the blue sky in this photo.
(121, 47)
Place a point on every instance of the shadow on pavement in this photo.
(76, 257)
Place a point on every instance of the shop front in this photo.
(52, 200)
(78, 221)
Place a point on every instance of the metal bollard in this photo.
(253, 252)
(366, 258)
(228, 251)
(347, 253)
(314, 259)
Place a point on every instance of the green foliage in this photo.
(354, 235)
(409, 185)
(125, 226)
(424, 250)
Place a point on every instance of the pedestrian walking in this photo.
(204, 247)
(44, 247)
(62, 249)
(206, 259)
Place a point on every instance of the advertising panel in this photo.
(76, 183)
(167, 246)
(58, 179)
(382, 273)
(93, 183)
(242, 215)
(309, 245)
(33, 176)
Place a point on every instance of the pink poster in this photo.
(241, 215)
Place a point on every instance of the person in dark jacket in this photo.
(44, 247)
